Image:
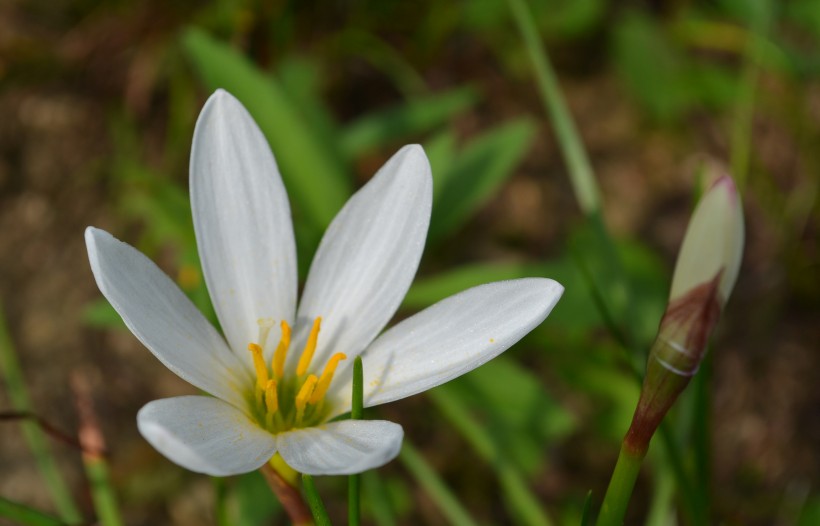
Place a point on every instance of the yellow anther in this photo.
(306, 391)
(304, 396)
(271, 398)
(259, 365)
(327, 377)
(281, 352)
(310, 348)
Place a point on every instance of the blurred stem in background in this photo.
(742, 124)
(580, 169)
(20, 401)
(435, 487)
(93, 454)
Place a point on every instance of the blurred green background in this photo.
(97, 106)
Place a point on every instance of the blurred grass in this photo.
(336, 92)
(55, 484)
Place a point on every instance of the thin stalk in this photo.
(434, 486)
(516, 490)
(619, 492)
(356, 410)
(317, 507)
(93, 447)
(102, 494)
(572, 148)
(741, 133)
(20, 401)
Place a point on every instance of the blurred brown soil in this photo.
(54, 146)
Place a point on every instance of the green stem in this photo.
(572, 148)
(317, 507)
(613, 510)
(434, 486)
(356, 411)
(20, 401)
(105, 503)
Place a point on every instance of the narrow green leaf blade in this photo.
(407, 119)
(477, 172)
(25, 516)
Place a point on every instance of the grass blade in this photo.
(408, 119)
(580, 169)
(477, 172)
(25, 516)
(35, 437)
(434, 486)
(519, 497)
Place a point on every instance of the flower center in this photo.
(281, 402)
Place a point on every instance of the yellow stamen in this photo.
(281, 352)
(310, 348)
(271, 398)
(304, 396)
(259, 365)
(327, 377)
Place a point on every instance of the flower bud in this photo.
(705, 273)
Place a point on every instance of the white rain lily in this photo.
(713, 244)
(274, 391)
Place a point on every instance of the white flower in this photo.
(277, 394)
(713, 245)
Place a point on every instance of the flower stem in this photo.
(288, 495)
(356, 410)
(317, 508)
(93, 447)
(621, 485)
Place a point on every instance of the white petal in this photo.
(368, 257)
(452, 337)
(164, 319)
(341, 448)
(713, 242)
(205, 435)
(242, 221)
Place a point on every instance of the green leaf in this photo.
(652, 67)
(441, 152)
(523, 418)
(476, 173)
(316, 184)
(434, 486)
(100, 314)
(253, 498)
(410, 118)
(26, 516)
(810, 514)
